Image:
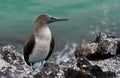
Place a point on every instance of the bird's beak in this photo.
(55, 19)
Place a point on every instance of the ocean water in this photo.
(87, 18)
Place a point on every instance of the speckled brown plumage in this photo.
(28, 47)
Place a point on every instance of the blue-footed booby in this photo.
(38, 48)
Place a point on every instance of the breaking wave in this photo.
(66, 53)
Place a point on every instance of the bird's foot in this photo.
(32, 66)
(39, 64)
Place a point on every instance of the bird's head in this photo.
(47, 19)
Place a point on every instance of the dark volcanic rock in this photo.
(50, 71)
(67, 69)
(118, 48)
(71, 73)
(105, 46)
(97, 72)
(109, 65)
(94, 69)
(12, 64)
(101, 57)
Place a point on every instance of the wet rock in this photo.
(118, 48)
(94, 69)
(50, 71)
(69, 69)
(97, 72)
(12, 64)
(71, 73)
(66, 69)
(109, 65)
(83, 62)
(104, 46)
(100, 57)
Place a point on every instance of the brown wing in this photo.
(29, 44)
(51, 48)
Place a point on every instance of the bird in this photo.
(39, 47)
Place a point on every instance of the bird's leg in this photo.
(41, 63)
(32, 66)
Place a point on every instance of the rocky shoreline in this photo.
(96, 59)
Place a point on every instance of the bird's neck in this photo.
(38, 26)
(42, 31)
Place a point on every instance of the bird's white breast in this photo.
(42, 44)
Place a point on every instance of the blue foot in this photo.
(32, 66)
(41, 64)
(40, 61)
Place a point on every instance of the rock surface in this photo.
(12, 64)
(66, 69)
(105, 46)
(103, 52)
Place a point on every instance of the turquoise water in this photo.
(87, 18)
